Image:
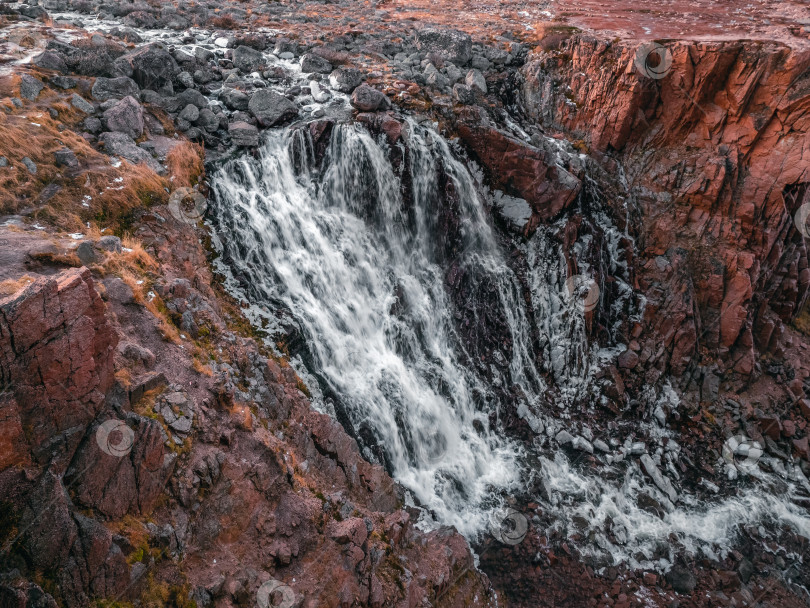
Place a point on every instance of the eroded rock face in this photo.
(55, 353)
(719, 151)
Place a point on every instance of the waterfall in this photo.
(384, 262)
(364, 271)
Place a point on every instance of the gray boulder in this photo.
(193, 97)
(345, 80)
(80, 103)
(50, 60)
(476, 79)
(311, 63)
(30, 87)
(122, 145)
(234, 99)
(247, 59)
(126, 116)
(190, 113)
(113, 88)
(64, 157)
(366, 99)
(152, 67)
(450, 45)
(270, 108)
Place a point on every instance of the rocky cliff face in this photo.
(714, 166)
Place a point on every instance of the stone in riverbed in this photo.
(311, 63)
(190, 113)
(270, 108)
(243, 134)
(366, 99)
(234, 99)
(345, 80)
(246, 59)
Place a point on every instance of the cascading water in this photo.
(363, 271)
(415, 323)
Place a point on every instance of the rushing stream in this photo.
(417, 329)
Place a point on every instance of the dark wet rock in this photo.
(93, 125)
(311, 63)
(30, 87)
(207, 120)
(367, 99)
(126, 116)
(114, 88)
(243, 134)
(127, 34)
(450, 45)
(345, 80)
(270, 108)
(247, 59)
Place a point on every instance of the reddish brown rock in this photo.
(56, 348)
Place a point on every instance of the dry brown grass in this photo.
(802, 320)
(185, 164)
(11, 286)
(225, 22)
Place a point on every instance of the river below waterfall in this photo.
(421, 326)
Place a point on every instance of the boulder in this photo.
(246, 59)
(366, 99)
(345, 80)
(234, 99)
(243, 134)
(50, 60)
(450, 45)
(121, 144)
(270, 108)
(30, 87)
(113, 88)
(476, 79)
(126, 116)
(81, 104)
(311, 63)
(152, 67)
